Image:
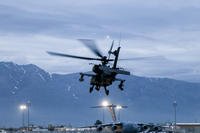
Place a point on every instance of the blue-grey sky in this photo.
(149, 28)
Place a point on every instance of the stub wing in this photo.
(120, 71)
(87, 74)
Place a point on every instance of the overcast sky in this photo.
(169, 29)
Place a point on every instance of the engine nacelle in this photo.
(99, 128)
(144, 127)
(114, 127)
(157, 128)
(96, 69)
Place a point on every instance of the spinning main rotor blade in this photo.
(72, 56)
(92, 46)
(111, 47)
(144, 58)
(110, 51)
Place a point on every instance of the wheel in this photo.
(81, 79)
(107, 92)
(97, 88)
(91, 89)
(121, 87)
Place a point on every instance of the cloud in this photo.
(97, 18)
(32, 49)
(149, 28)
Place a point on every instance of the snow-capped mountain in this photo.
(62, 99)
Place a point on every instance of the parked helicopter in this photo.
(104, 74)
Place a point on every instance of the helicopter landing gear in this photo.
(121, 85)
(106, 91)
(91, 88)
(97, 88)
(81, 78)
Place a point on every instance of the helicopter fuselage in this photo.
(104, 76)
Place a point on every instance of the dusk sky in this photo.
(169, 29)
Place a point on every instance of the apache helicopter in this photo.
(104, 74)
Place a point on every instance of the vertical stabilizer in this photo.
(112, 111)
(116, 54)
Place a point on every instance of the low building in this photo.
(188, 127)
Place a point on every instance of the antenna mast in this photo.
(120, 38)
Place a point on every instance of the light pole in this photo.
(23, 107)
(118, 107)
(104, 104)
(175, 106)
(28, 109)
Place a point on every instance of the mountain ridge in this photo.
(61, 98)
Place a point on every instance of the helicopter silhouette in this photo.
(103, 74)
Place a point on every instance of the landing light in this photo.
(119, 107)
(23, 107)
(105, 103)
